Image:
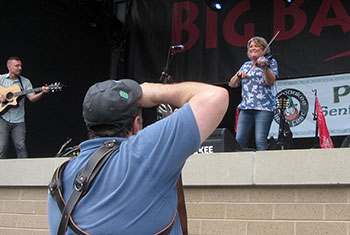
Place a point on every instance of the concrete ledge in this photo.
(286, 167)
(28, 172)
(315, 166)
(219, 169)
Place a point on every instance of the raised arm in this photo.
(208, 102)
(36, 97)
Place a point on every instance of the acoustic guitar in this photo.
(12, 93)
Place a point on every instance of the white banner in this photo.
(333, 92)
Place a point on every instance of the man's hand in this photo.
(35, 97)
(148, 89)
(2, 98)
(45, 89)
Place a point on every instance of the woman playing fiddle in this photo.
(257, 107)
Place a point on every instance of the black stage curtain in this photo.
(71, 41)
(57, 43)
(313, 40)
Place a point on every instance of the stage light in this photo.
(289, 1)
(218, 6)
(215, 5)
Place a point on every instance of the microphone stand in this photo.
(164, 110)
(164, 76)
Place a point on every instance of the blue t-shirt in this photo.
(135, 192)
(256, 94)
(15, 114)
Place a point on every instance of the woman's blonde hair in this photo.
(261, 42)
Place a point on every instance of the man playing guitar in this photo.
(12, 121)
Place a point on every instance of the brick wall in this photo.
(276, 210)
(239, 210)
(23, 211)
(302, 192)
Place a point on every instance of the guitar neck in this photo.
(20, 93)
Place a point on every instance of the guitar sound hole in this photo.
(9, 96)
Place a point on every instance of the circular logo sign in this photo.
(293, 104)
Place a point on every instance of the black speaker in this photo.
(221, 140)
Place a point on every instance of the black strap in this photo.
(56, 191)
(181, 205)
(81, 186)
(167, 229)
(56, 187)
(83, 180)
(20, 81)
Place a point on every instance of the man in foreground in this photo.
(135, 191)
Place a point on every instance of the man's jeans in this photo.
(18, 134)
(260, 120)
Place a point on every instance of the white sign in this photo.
(205, 149)
(333, 92)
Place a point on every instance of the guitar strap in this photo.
(20, 81)
(22, 88)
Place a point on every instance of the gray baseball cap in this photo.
(111, 102)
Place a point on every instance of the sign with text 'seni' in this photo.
(333, 92)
